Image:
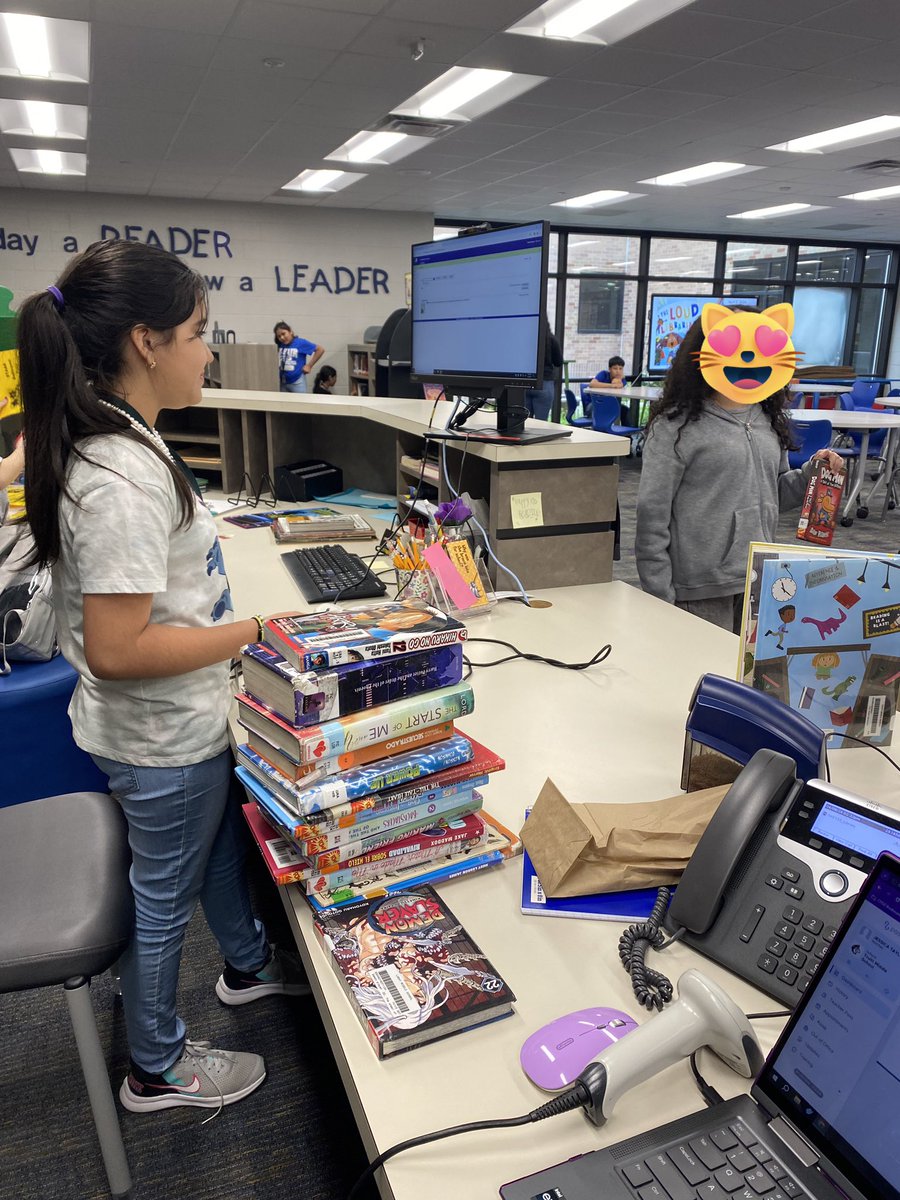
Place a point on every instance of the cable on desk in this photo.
(576, 1097)
(707, 1091)
(651, 988)
(602, 654)
(862, 741)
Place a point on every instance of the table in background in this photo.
(614, 732)
(864, 421)
(816, 390)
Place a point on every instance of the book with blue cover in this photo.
(602, 906)
(308, 697)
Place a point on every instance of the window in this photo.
(767, 294)
(680, 256)
(551, 304)
(590, 350)
(553, 253)
(869, 326)
(820, 324)
(755, 260)
(612, 255)
(826, 264)
(877, 267)
(600, 306)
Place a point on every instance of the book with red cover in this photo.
(821, 505)
(411, 971)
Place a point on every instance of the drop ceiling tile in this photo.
(659, 102)
(149, 58)
(395, 39)
(861, 16)
(618, 64)
(720, 78)
(575, 93)
(474, 13)
(683, 31)
(307, 28)
(527, 55)
(209, 17)
(526, 118)
(799, 49)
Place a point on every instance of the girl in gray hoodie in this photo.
(715, 476)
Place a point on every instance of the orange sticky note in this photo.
(458, 591)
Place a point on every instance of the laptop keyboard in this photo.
(728, 1163)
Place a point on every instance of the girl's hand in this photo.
(834, 460)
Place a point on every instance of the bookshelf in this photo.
(361, 368)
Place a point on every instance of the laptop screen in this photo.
(835, 1072)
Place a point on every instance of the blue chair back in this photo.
(571, 404)
(863, 393)
(810, 437)
(605, 413)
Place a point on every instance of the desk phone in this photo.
(775, 872)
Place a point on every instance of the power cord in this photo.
(862, 742)
(706, 1089)
(578, 1096)
(602, 654)
(651, 988)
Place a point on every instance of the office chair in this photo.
(862, 397)
(606, 413)
(572, 408)
(810, 436)
(67, 916)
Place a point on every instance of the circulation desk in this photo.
(374, 440)
(614, 732)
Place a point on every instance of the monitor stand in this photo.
(510, 431)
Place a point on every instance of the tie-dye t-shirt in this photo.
(120, 534)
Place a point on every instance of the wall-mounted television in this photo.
(670, 319)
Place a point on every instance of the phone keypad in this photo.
(794, 952)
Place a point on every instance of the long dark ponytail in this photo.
(71, 343)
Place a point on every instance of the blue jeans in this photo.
(299, 385)
(187, 844)
(539, 401)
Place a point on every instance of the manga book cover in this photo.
(412, 972)
(378, 630)
(821, 504)
(828, 642)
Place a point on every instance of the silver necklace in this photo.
(146, 430)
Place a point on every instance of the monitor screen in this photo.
(670, 319)
(479, 308)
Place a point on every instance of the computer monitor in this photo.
(670, 319)
(479, 321)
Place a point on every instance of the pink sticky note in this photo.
(458, 591)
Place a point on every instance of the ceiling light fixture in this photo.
(777, 210)
(874, 194)
(602, 22)
(379, 147)
(592, 199)
(48, 162)
(461, 90)
(373, 146)
(29, 44)
(842, 135)
(42, 118)
(320, 181)
(462, 93)
(689, 175)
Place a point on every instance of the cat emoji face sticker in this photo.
(747, 356)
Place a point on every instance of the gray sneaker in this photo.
(202, 1077)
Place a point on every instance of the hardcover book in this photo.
(349, 796)
(821, 504)
(306, 528)
(307, 697)
(379, 630)
(410, 970)
(358, 731)
(602, 906)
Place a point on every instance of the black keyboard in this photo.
(325, 572)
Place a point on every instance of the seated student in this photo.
(613, 378)
(12, 466)
(326, 378)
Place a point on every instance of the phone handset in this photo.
(758, 791)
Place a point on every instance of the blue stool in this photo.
(41, 757)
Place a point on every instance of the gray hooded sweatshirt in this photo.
(701, 503)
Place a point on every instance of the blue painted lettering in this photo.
(279, 286)
(362, 274)
(300, 270)
(246, 283)
(320, 279)
(222, 243)
(380, 281)
(200, 240)
(131, 232)
(180, 241)
(18, 242)
(214, 282)
(346, 272)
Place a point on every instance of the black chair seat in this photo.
(64, 892)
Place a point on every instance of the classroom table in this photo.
(816, 390)
(611, 733)
(864, 420)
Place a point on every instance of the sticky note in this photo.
(526, 510)
(458, 591)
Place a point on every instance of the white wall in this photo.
(260, 237)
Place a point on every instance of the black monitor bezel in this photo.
(479, 383)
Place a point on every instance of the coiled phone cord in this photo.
(652, 988)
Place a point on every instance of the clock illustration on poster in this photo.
(785, 586)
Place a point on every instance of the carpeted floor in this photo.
(294, 1137)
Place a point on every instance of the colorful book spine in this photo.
(472, 836)
(322, 768)
(345, 856)
(336, 796)
(310, 697)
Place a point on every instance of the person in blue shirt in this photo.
(612, 378)
(296, 357)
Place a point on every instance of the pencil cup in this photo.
(415, 585)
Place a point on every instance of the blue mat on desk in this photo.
(357, 498)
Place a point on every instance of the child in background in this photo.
(144, 614)
(612, 378)
(296, 358)
(326, 378)
(714, 478)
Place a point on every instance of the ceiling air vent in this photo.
(879, 166)
(419, 127)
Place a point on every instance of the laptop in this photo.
(822, 1120)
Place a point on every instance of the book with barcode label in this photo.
(411, 971)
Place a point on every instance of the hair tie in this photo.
(57, 297)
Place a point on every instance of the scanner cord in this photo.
(577, 1096)
(652, 988)
(481, 529)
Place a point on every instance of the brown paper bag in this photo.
(579, 849)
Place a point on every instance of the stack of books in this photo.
(321, 525)
(360, 783)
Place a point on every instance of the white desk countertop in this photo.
(614, 732)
